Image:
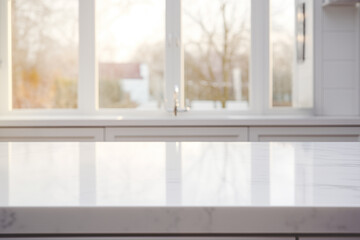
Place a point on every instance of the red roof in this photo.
(117, 71)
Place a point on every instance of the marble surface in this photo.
(180, 174)
(176, 220)
(173, 187)
(166, 119)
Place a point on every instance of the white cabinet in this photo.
(180, 133)
(304, 134)
(56, 134)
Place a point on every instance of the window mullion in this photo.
(88, 84)
(174, 54)
(260, 60)
(5, 57)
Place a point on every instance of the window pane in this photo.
(130, 37)
(283, 50)
(217, 52)
(292, 54)
(44, 53)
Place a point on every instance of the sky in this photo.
(143, 22)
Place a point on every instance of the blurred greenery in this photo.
(113, 96)
(44, 53)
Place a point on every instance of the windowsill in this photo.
(233, 121)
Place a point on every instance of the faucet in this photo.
(177, 108)
(176, 100)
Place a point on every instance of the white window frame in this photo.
(259, 90)
(5, 58)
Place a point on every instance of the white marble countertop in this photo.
(200, 121)
(180, 188)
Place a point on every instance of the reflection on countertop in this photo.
(180, 174)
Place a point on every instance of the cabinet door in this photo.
(304, 134)
(51, 134)
(177, 134)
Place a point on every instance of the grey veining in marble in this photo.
(189, 220)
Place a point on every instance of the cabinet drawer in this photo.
(51, 134)
(304, 134)
(176, 134)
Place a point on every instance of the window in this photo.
(146, 56)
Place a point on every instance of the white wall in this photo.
(337, 67)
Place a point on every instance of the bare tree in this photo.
(209, 62)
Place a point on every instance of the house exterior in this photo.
(132, 78)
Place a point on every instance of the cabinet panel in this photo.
(304, 134)
(177, 134)
(51, 134)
